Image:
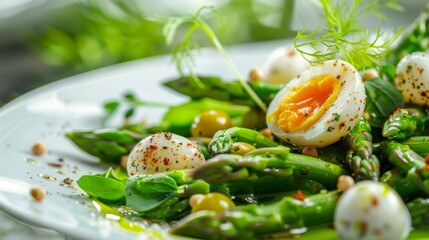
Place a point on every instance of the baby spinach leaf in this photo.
(382, 98)
(146, 192)
(103, 188)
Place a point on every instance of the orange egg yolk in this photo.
(306, 103)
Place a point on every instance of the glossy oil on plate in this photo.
(75, 103)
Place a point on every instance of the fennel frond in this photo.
(345, 38)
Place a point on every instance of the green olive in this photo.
(208, 122)
(241, 148)
(214, 202)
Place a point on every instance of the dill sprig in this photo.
(345, 38)
(183, 51)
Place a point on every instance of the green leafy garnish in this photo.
(131, 102)
(183, 51)
(147, 192)
(345, 38)
(105, 189)
(382, 99)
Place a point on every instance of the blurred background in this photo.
(46, 40)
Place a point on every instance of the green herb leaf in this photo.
(110, 108)
(382, 98)
(129, 113)
(146, 192)
(344, 38)
(103, 188)
(131, 102)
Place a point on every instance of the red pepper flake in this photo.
(166, 161)
(409, 67)
(374, 201)
(300, 196)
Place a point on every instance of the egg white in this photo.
(340, 117)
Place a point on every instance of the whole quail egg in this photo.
(283, 64)
(371, 210)
(163, 152)
(412, 78)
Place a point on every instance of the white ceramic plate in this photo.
(74, 104)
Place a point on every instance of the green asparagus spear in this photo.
(165, 196)
(215, 88)
(109, 145)
(265, 188)
(274, 161)
(419, 210)
(259, 221)
(223, 139)
(408, 162)
(419, 144)
(404, 186)
(364, 164)
(404, 123)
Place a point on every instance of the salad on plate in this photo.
(332, 131)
